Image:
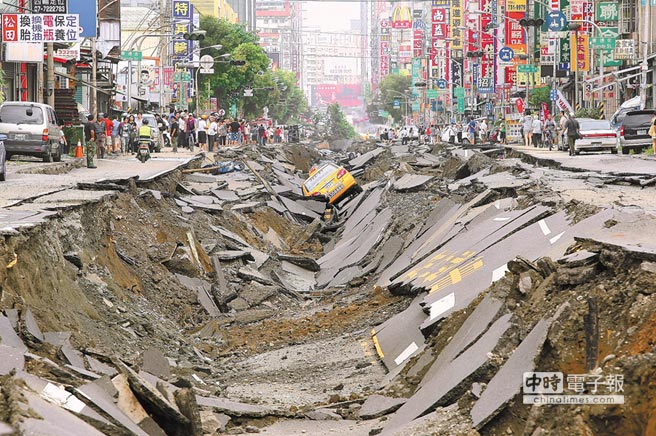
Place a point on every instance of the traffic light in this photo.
(238, 63)
(531, 22)
(195, 35)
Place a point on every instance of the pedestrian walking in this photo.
(90, 140)
(223, 134)
(202, 132)
(537, 132)
(549, 131)
(100, 138)
(212, 131)
(502, 131)
(527, 129)
(573, 133)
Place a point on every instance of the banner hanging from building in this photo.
(40, 28)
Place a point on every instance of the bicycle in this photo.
(548, 139)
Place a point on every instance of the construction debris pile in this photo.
(217, 301)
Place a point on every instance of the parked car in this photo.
(632, 104)
(597, 135)
(634, 131)
(330, 181)
(3, 158)
(31, 129)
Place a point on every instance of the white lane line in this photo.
(498, 273)
(406, 353)
(556, 238)
(442, 305)
(544, 227)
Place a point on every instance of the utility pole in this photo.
(645, 49)
(94, 77)
(50, 78)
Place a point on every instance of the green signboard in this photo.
(131, 55)
(459, 91)
(182, 76)
(461, 105)
(524, 68)
(609, 60)
(383, 114)
(431, 93)
(607, 11)
(602, 43)
(415, 106)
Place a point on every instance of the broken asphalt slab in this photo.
(376, 406)
(450, 376)
(411, 182)
(234, 408)
(507, 382)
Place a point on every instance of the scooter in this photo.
(143, 152)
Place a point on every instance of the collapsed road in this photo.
(189, 303)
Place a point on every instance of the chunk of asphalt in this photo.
(8, 335)
(31, 326)
(323, 415)
(399, 338)
(53, 420)
(449, 377)
(97, 393)
(376, 406)
(232, 408)
(508, 380)
(155, 363)
(228, 255)
(12, 359)
(304, 262)
(411, 182)
(470, 330)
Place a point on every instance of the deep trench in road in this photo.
(205, 304)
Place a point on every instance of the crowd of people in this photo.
(120, 134)
(535, 131)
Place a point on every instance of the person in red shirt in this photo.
(109, 126)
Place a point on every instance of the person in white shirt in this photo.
(182, 128)
(212, 131)
(482, 131)
(202, 132)
(537, 132)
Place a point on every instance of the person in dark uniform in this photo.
(90, 140)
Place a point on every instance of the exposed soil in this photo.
(297, 354)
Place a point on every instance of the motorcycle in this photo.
(143, 153)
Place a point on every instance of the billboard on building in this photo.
(347, 95)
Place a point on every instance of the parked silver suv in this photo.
(31, 130)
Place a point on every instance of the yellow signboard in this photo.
(455, 24)
(515, 5)
(534, 78)
(580, 52)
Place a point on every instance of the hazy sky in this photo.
(331, 16)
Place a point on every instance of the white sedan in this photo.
(597, 135)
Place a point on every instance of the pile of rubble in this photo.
(219, 301)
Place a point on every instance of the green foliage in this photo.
(392, 87)
(591, 112)
(338, 126)
(539, 96)
(286, 101)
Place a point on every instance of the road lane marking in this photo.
(406, 353)
(498, 273)
(442, 305)
(556, 238)
(544, 227)
(379, 350)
